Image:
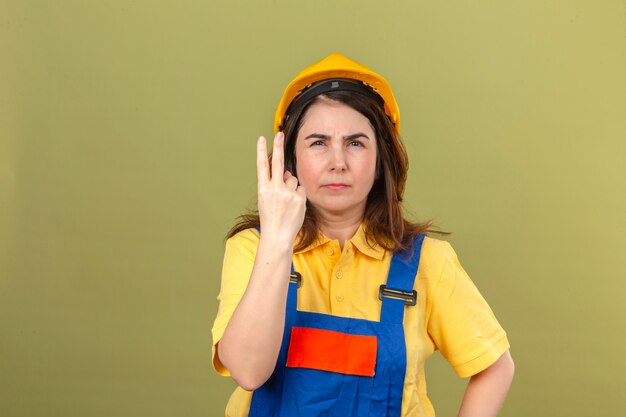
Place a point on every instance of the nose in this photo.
(338, 162)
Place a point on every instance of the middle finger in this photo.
(278, 157)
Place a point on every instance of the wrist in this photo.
(273, 249)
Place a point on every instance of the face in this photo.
(336, 158)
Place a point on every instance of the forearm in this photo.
(251, 342)
(486, 391)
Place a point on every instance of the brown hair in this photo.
(383, 218)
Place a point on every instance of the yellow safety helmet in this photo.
(336, 68)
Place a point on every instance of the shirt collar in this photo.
(319, 241)
(367, 247)
(359, 240)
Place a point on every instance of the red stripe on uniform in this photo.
(327, 350)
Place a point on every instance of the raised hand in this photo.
(252, 339)
(281, 201)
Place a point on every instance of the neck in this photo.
(339, 228)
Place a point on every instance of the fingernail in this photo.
(280, 135)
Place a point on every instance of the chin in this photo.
(338, 207)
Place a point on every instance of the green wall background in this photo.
(127, 133)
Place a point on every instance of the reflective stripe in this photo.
(332, 351)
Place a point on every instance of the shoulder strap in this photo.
(399, 292)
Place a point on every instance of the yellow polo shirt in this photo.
(450, 314)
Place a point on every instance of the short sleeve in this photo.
(239, 258)
(461, 323)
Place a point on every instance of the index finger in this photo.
(262, 168)
(278, 156)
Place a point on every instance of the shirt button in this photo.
(339, 274)
(330, 252)
(339, 298)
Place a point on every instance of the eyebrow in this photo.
(349, 137)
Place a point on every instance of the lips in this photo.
(336, 186)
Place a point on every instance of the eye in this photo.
(357, 143)
(317, 143)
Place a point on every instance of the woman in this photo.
(331, 300)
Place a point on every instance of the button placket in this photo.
(340, 280)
